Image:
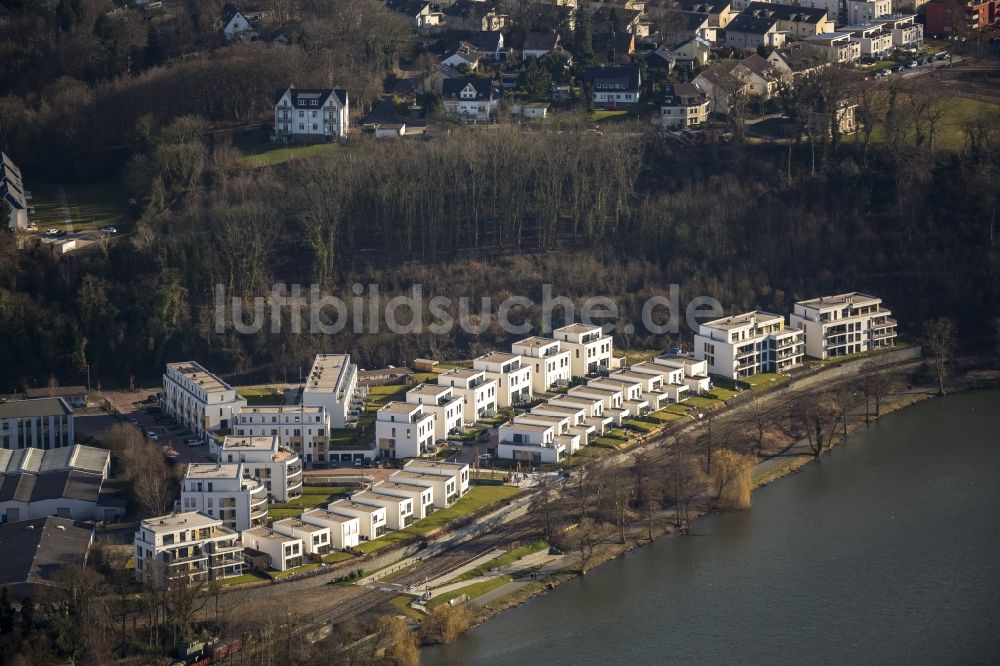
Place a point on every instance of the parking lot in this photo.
(156, 426)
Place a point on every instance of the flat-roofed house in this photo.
(198, 399)
(751, 343)
(189, 546)
(477, 391)
(278, 468)
(344, 529)
(371, 518)
(445, 488)
(576, 417)
(227, 492)
(530, 442)
(512, 373)
(844, 324)
(591, 352)
(551, 365)
(332, 383)
(422, 496)
(448, 409)
(404, 430)
(456, 470)
(593, 410)
(283, 551)
(398, 510)
(42, 423)
(315, 538)
(673, 378)
(695, 370)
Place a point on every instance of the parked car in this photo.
(911, 65)
(52, 232)
(153, 436)
(109, 230)
(195, 442)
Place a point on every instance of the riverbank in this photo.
(794, 459)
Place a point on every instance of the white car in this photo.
(153, 436)
(109, 230)
(52, 232)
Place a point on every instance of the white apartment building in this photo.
(315, 538)
(652, 386)
(344, 530)
(865, 11)
(421, 496)
(311, 114)
(905, 30)
(512, 374)
(445, 488)
(371, 518)
(199, 400)
(279, 469)
(448, 409)
(550, 364)
(873, 39)
(186, 545)
(283, 552)
(530, 443)
(224, 492)
(672, 378)
(591, 352)
(614, 401)
(478, 393)
(748, 344)
(576, 419)
(838, 47)
(404, 430)
(457, 471)
(632, 398)
(42, 423)
(593, 409)
(304, 430)
(333, 384)
(695, 371)
(844, 324)
(398, 510)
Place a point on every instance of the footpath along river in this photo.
(886, 551)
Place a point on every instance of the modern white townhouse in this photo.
(873, 39)
(905, 30)
(398, 510)
(672, 377)
(227, 492)
(371, 518)
(458, 471)
(315, 539)
(632, 398)
(344, 530)
(304, 430)
(68, 482)
(576, 418)
(560, 425)
(844, 324)
(42, 423)
(279, 469)
(188, 546)
(550, 364)
(695, 371)
(652, 386)
(478, 393)
(404, 430)
(512, 374)
(421, 496)
(333, 384)
(448, 409)
(838, 46)
(593, 409)
(311, 114)
(614, 401)
(445, 488)
(747, 344)
(591, 352)
(283, 552)
(864, 11)
(199, 400)
(530, 443)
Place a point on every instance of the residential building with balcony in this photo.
(283, 552)
(42, 423)
(873, 38)
(632, 398)
(512, 374)
(478, 393)
(310, 114)
(864, 11)
(422, 496)
(614, 401)
(455, 470)
(591, 352)
(837, 47)
(444, 487)
(227, 492)
(371, 518)
(304, 430)
(404, 430)
(905, 30)
(315, 539)
(652, 386)
(279, 469)
(448, 409)
(332, 383)
(576, 418)
(199, 400)
(189, 546)
(695, 370)
(530, 443)
(344, 530)
(672, 379)
(551, 365)
(743, 345)
(844, 324)
(684, 105)
(399, 513)
(593, 410)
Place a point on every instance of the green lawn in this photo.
(471, 591)
(244, 578)
(90, 206)
(605, 115)
(638, 356)
(587, 454)
(265, 155)
(503, 560)
(262, 396)
(337, 556)
(305, 568)
(402, 602)
(950, 135)
(643, 426)
(665, 415)
(723, 393)
(766, 381)
(312, 496)
(703, 402)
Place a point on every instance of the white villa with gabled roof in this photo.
(310, 114)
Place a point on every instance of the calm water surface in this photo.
(886, 551)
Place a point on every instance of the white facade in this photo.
(444, 487)
(614, 401)
(530, 443)
(591, 352)
(550, 364)
(839, 47)
(333, 384)
(631, 391)
(673, 378)
(279, 469)
(283, 552)
(844, 324)
(186, 545)
(593, 410)
(422, 496)
(695, 371)
(748, 344)
(404, 430)
(457, 471)
(398, 510)
(42, 423)
(235, 26)
(226, 492)
(371, 518)
(872, 38)
(863, 11)
(315, 538)
(478, 393)
(305, 430)
(311, 113)
(512, 374)
(344, 530)
(199, 400)
(576, 418)
(441, 401)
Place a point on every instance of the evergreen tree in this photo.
(583, 38)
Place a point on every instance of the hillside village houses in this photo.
(239, 23)
(310, 114)
(684, 105)
(469, 97)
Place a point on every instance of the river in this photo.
(885, 551)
